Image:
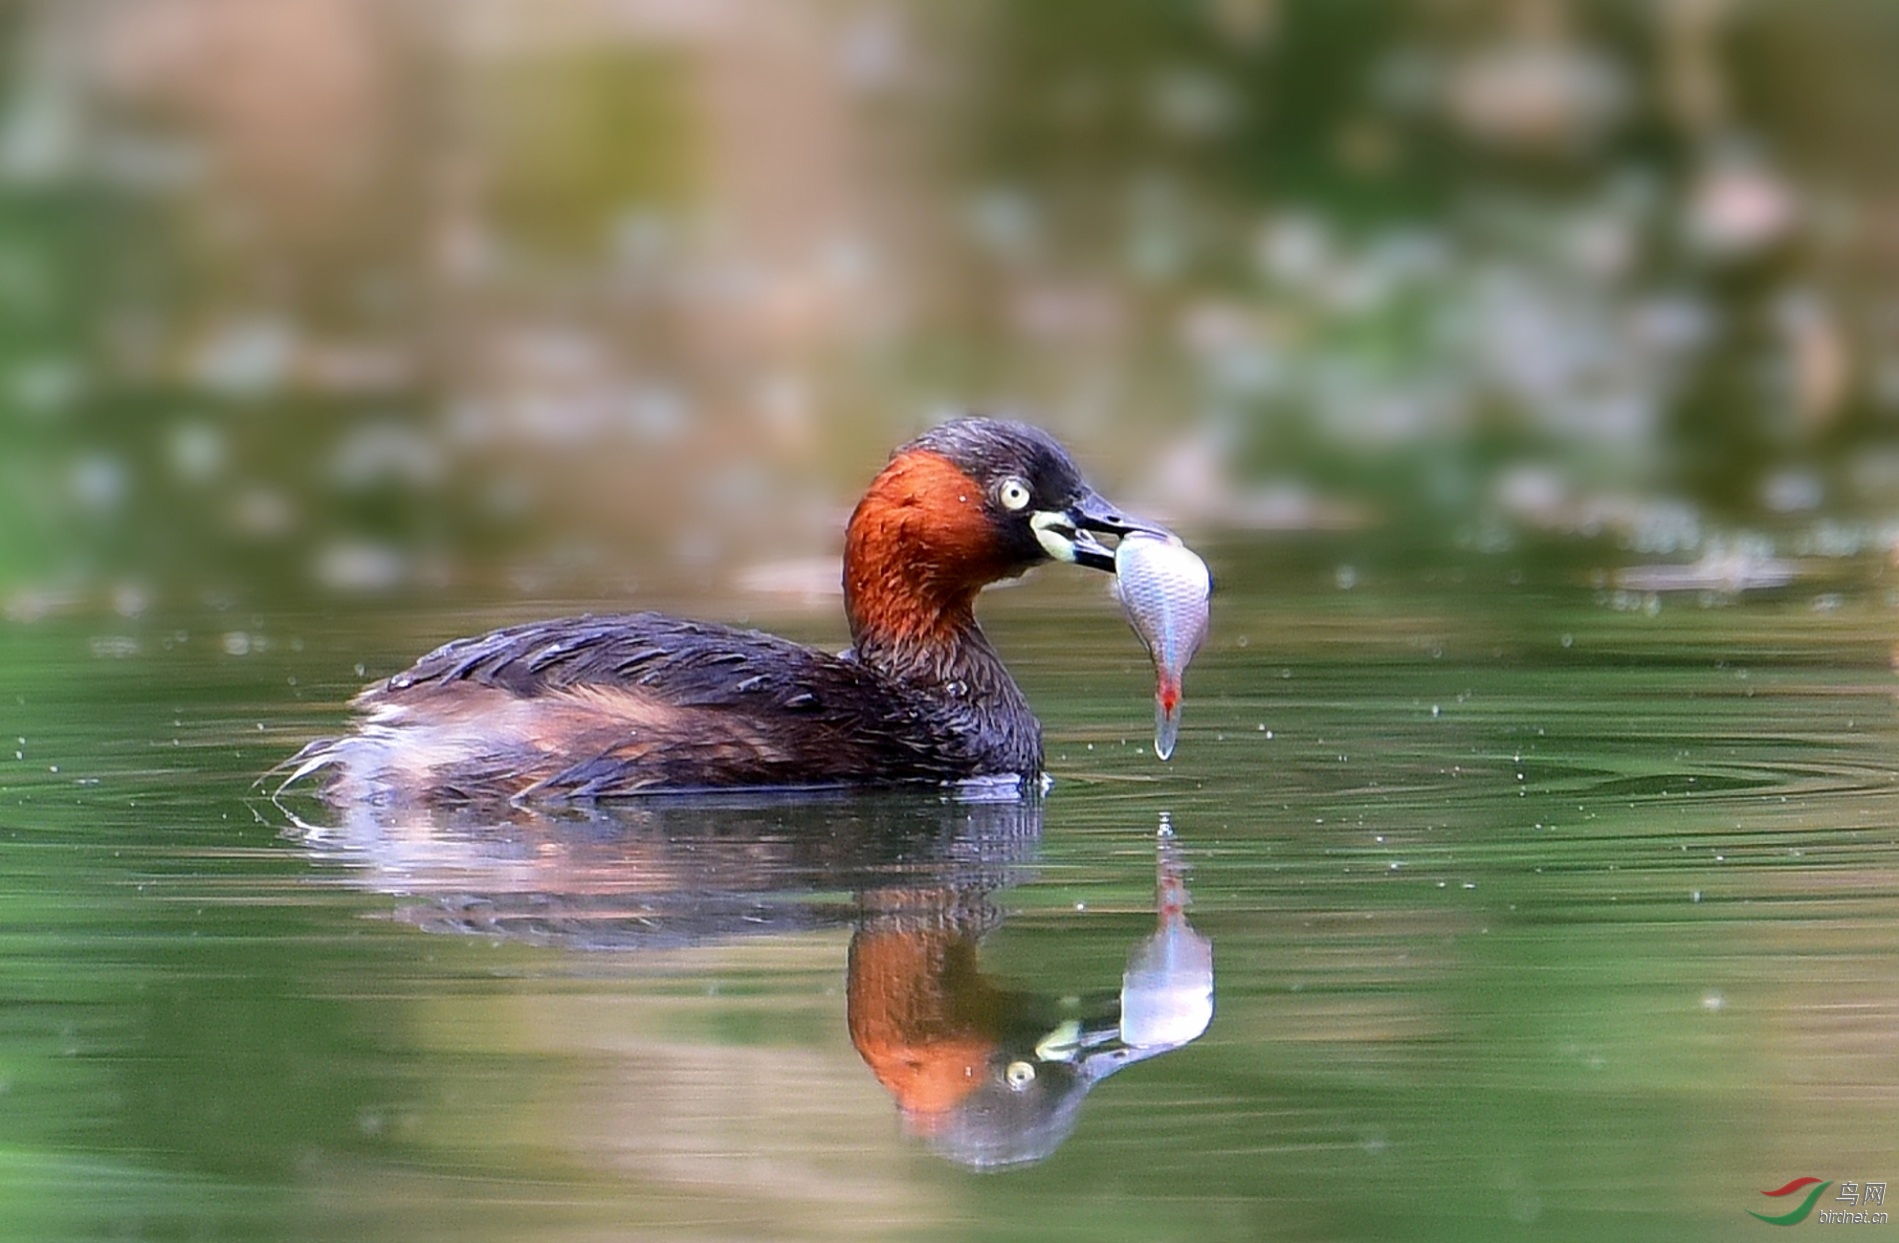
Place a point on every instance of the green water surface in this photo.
(1537, 910)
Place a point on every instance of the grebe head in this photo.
(959, 507)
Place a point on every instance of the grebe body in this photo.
(589, 707)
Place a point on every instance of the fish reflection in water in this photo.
(987, 1075)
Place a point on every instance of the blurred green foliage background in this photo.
(342, 296)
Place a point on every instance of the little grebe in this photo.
(597, 706)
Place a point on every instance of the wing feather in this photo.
(624, 702)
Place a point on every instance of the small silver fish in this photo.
(1163, 588)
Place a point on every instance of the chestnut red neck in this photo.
(919, 547)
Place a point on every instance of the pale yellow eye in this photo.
(1019, 1075)
(1014, 495)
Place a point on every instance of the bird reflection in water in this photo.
(992, 1076)
(987, 1075)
